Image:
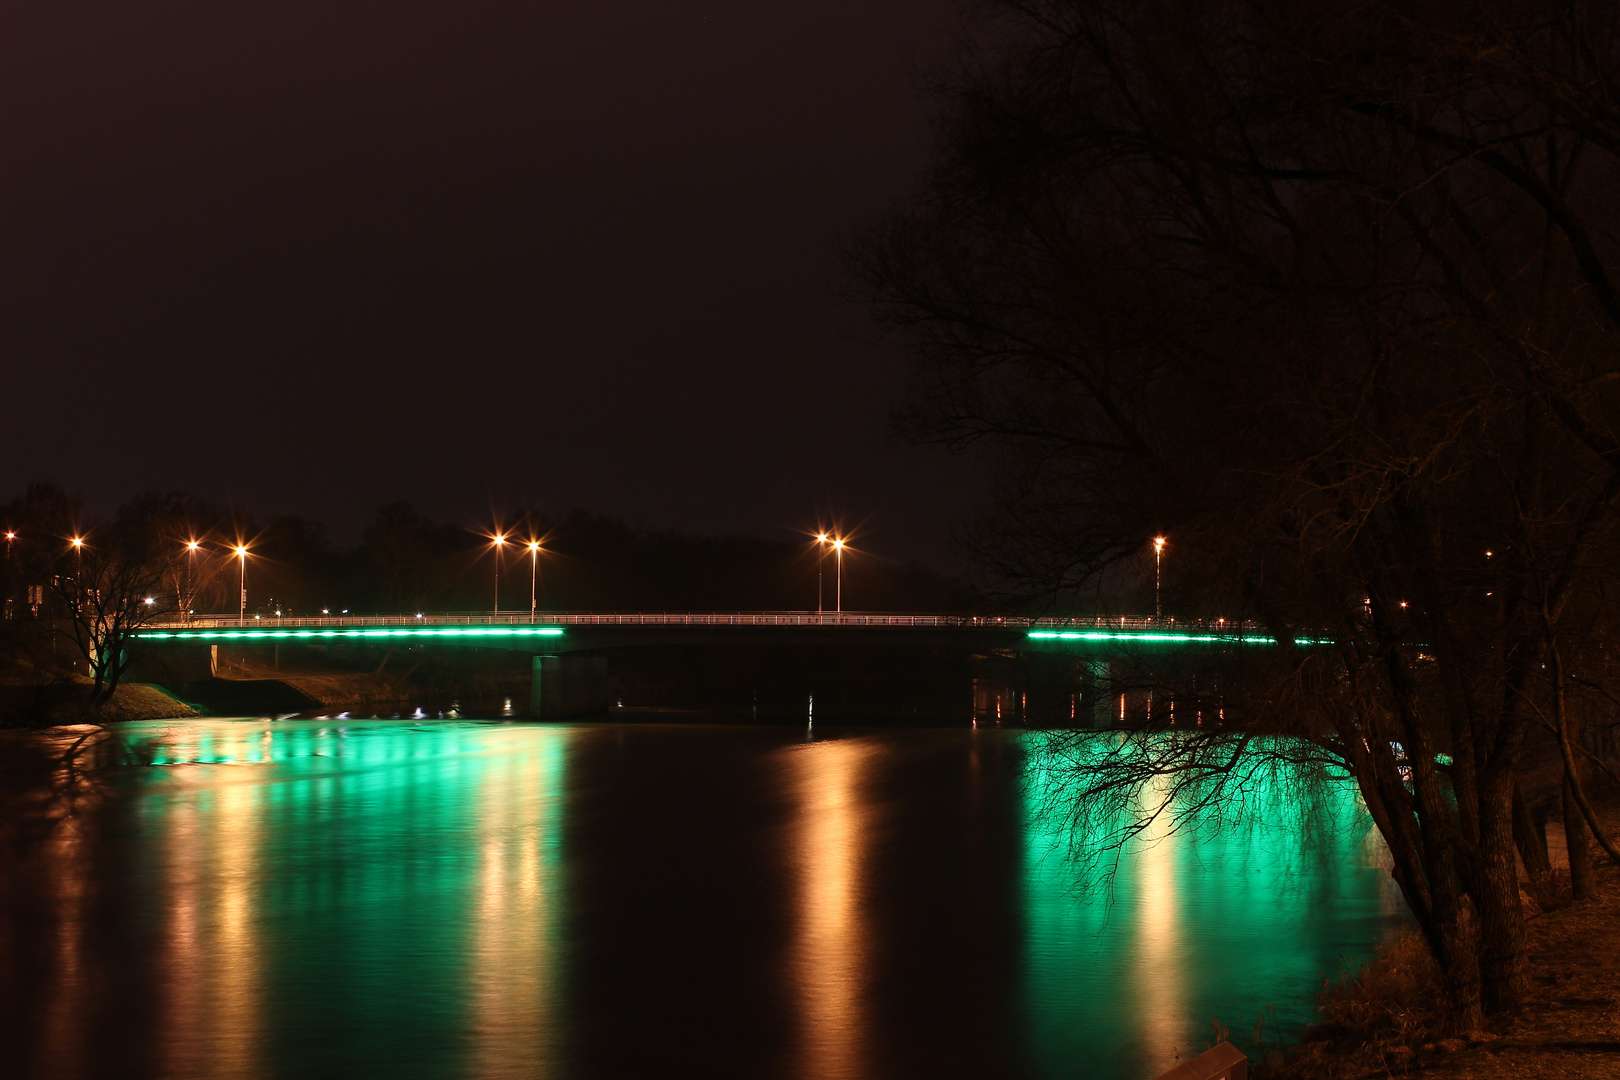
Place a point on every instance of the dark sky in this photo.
(317, 256)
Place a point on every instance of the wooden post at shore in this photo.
(1221, 1062)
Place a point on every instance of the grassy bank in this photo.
(1382, 1020)
(67, 701)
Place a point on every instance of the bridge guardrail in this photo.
(716, 618)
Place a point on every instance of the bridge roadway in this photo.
(548, 632)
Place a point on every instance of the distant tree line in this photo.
(406, 562)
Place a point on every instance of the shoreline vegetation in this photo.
(1387, 1017)
(67, 702)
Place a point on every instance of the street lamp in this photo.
(1158, 577)
(499, 541)
(191, 562)
(78, 573)
(241, 552)
(10, 536)
(838, 546)
(534, 574)
(821, 561)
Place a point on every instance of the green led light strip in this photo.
(367, 632)
(1172, 638)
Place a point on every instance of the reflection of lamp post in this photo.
(534, 574)
(500, 542)
(241, 581)
(838, 546)
(1158, 562)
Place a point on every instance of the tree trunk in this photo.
(1531, 840)
(1578, 841)
(1496, 894)
(1459, 961)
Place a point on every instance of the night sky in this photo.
(318, 256)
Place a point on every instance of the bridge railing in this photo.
(713, 618)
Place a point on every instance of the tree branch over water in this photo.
(1325, 294)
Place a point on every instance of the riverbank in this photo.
(67, 702)
(1382, 1021)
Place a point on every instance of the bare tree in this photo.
(112, 582)
(1326, 293)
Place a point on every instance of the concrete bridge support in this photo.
(568, 686)
(1099, 694)
(173, 666)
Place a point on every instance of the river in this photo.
(447, 899)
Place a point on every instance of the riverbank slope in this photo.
(67, 702)
(1382, 1021)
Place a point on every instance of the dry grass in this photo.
(1382, 1019)
(1372, 1018)
(67, 702)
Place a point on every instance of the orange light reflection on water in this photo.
(830, 955)
(211, 971)
(1160, 960)
(513, 949)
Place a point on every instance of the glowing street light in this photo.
(241, 553)
(838, 546)
(499, 540)
(821, 561)
(534, 574)
(191, 562)
(1158, 578)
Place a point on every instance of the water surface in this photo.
(439, 899)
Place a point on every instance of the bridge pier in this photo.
(567, 686)
(172, 666)
(1099, 691)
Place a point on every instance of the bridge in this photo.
(561, 683)
(553, 631)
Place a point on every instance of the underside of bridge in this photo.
(1094, 678)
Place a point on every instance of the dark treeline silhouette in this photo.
(407, 562)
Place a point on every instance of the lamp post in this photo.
(10, 536)
(191, 563)
(534, 574)
(78, 574)
(241, 581)
(1158, 577)
(821, 561)
(838, 546)
(499, 540)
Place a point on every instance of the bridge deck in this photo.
(552, 624)
(697, 618)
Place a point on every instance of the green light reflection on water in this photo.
(1195, 925)
(420, 867)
